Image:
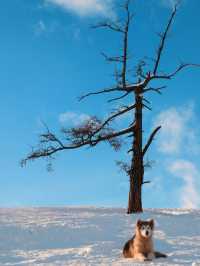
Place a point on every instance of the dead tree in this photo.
(94, 130)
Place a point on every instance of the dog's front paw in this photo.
(151, 256)
(147, 259)
(142, 259)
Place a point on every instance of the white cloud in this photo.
(73, 118)
(189, 173)
(178, 130)
(85, 7)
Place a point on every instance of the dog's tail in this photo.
(159, 255)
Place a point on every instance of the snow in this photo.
(93, 236)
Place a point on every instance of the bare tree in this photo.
(94, 130)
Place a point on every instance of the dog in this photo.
(140, 246)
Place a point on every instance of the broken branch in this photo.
(150, 140)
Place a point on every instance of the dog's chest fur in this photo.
(141, 245)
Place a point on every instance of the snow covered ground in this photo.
(93, 236)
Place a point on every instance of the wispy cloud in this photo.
(47, 27)
(72, 31)
(40, 27)
(72, 118)
(77, 34)
(187, 171)
(178, 140)
(170, 3)
(85, 7)
(178, 130)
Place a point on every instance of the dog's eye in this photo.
(143, 227)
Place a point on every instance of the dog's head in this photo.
(145, 228)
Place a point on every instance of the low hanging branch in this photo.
(78, 137)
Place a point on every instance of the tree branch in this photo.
(146, 182)
(110, 25)
(49, 136)
(50, 150)
(118, 98)
(158, 90)
(112, 58)
(118, 88)
(125, 46)
(171, 75)
(109, 119)
(181, 67)
(124, 29)
(163, 39)
(146, 106)
(150, 140)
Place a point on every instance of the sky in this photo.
(49, 57)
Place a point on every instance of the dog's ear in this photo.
(139, 222)
(151, 222)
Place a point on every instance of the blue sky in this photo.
(49, 57)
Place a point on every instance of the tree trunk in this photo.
(137, 169)
(135, 199)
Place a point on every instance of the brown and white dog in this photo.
(140, 246)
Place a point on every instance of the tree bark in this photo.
(137, 169)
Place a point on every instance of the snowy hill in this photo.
(93, 236)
